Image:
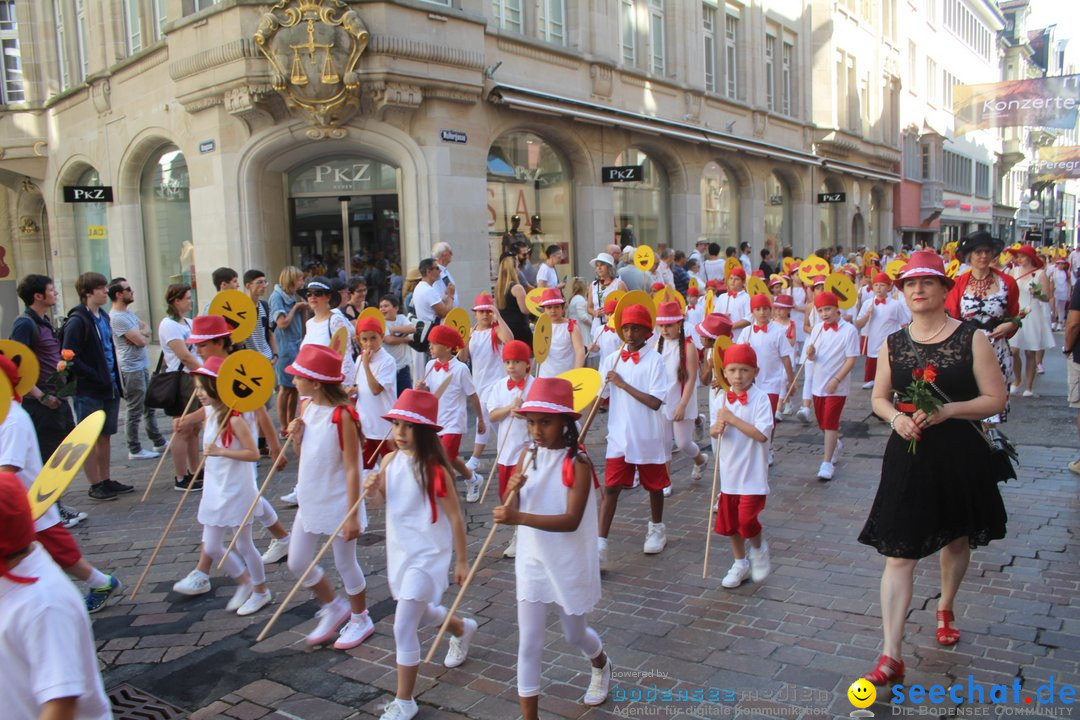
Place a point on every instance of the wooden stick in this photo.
(495, 465)
(176, 513)
(165, 452)
(787, 395)
(712, 505)
(255, 502)
(310, 567)
(473, 569)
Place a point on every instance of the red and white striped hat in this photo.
(484, 301)
(208, 327)
(552, 396)
(924, 263)
(318, 363)
(551, 296)
(783, 301)
(418, 407)
(669, 313)
(210, 368)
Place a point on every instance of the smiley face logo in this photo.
(730, 264)
(812, 267)
(239, 313)
(757, 286)
(542, 338)
(459, 320)
(841, 285)
(64, 463)
(244, 381)
(25, 361)
(862, 694)
(893, 268)
(789, 264)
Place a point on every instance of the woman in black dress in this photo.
(941, 497)
(510, 299)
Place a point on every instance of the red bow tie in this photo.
(441, 366)
(627, 355)
(733, 293)
(736, 397)
(761, 328)
(880, 301)
(835, 327)
(607, 328)
(519, 384)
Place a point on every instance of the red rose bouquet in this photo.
(920, 393)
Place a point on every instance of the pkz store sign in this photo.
(347, 175)
(622, 173)
(88, 193)
(837, 197)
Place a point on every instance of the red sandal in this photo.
(887, 672)
(947, 635)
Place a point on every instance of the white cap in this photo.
(604, 258)
(628, 250)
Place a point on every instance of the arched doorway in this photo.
(777, 213)
(829, 214)
(641, 210)
(719, 205)
(858, 223)
(165, 200)
(91, 230)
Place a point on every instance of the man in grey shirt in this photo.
(130, 337)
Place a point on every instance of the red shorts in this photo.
(871, 369)
(738, 514)
(619, 473)
(774, 400)
(58, 542)
(505, 471)
(451, 444)
(367, 451)
(827, 411)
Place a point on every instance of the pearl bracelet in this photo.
(898, 414)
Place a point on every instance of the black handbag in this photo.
(165, 390)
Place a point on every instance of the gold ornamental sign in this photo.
(314, 47)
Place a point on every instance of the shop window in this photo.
(11, 75)
(166, 217)
(91, 230)
(777, 214)
(641, 211)
(828, 214)
(719, 206)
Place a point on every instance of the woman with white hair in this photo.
(606, 282)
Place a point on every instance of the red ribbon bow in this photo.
(437, 488)
(519, 384)
(568, 468)
(791, 330)
(880, 301)
(227, 433)
(441, 366)
(627, 355)
(737, 397)
(336, 419)
(761, 328)
(835, 327)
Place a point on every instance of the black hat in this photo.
(318, 284)
(978, 239)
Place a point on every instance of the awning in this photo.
(859, 170)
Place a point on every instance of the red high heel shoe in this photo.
(887, 672)
(947, 635)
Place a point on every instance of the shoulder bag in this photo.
(165, 390)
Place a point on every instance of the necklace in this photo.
(931, 337)
(980, 287)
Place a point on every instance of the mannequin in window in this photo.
(513, 235)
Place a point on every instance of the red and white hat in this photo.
(484, 301)
(551, 396)
(740, 355)
(927, 263)
(418, 407)
(667, 313)
(16, 523)
(1027, 250)
(817, 280)
(637, 315)
(761, 300)
(210, 368)
(369, 324)
(714, 325)
(516, 350)
(208, 327)
(446, 335)
(783, 301)
(551, 296)
(318, 363)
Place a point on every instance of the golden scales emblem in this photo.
(320, 43)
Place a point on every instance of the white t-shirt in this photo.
(425, 298)
(887, 319)
(635, 431)
(737, 308)
(771, 347)
(747, 264)
(169, 330)
(370, 406)
(831, 349)
(744, 462)
(19, 448)
(453, 412)
(517, 434)
(321, 332)
(400, 351)
(487, 363)
(46, 643)
(547, 275)
(713, 269)
(561, 354)
(1061, 283)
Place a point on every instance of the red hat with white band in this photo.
(550, 396)
(714, 325)
(484, 301)
(925, 263)
(208, 327)
(418, 407)
(210, 368)
(667, 313)
(783, 301)
(318, 363)
(551, 296)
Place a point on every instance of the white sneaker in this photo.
(398, 710)
(472, 463)
(803, 414)
(825, 471)
(772, 458)
(472, 489)
(243, 592)
(331, 617)
(778, 416)
(737, 575)
(196, 583)
(787, 409)
(667, 491)
(355, 632)
(837, 449)
(698, 470)
(459, 646)
(655, 539)
(598, 685)
(1029, 393)
(868, 385)
(601, 546)
(143, 454)
(278, 551)
(289, 498)
(255, 603)
(511, 547)
(760, 564)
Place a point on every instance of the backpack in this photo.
(65, 326)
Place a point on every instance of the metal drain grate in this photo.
(131, 703)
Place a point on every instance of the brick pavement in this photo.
(786, 648)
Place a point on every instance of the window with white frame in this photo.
(11, 82)
(770, 71)
(61, 44)
(841, 104)
(507, 14)
(911, 156)
(642, 35)
(133, 24)
(982, 179)
(957, 172)
(709, 45)
(80, 39)
(656, 35)
(203, 4)
(786, 60)
(628, 31)
(551, 21)
(854, 110)
(932, 86)
(913, 66)
(948, 82)
(160, 18)
(731, 53)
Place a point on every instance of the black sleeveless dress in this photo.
(944, 490)
(516, 320)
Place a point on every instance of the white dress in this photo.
(229, 486)
(561, 355)
(599, 294)
(556, 567)
(486, 360)
(1034, 333)
(320, 489)
(417, 550)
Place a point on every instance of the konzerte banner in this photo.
(1038, 102)
(1056, 163)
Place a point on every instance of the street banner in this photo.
(1056, 163)
(1037, 102)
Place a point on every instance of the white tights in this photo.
(683, 434)
(532, 620)
(302, 549)
(213, 539)
(264, 512)
(808, 381)
(410, 616)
